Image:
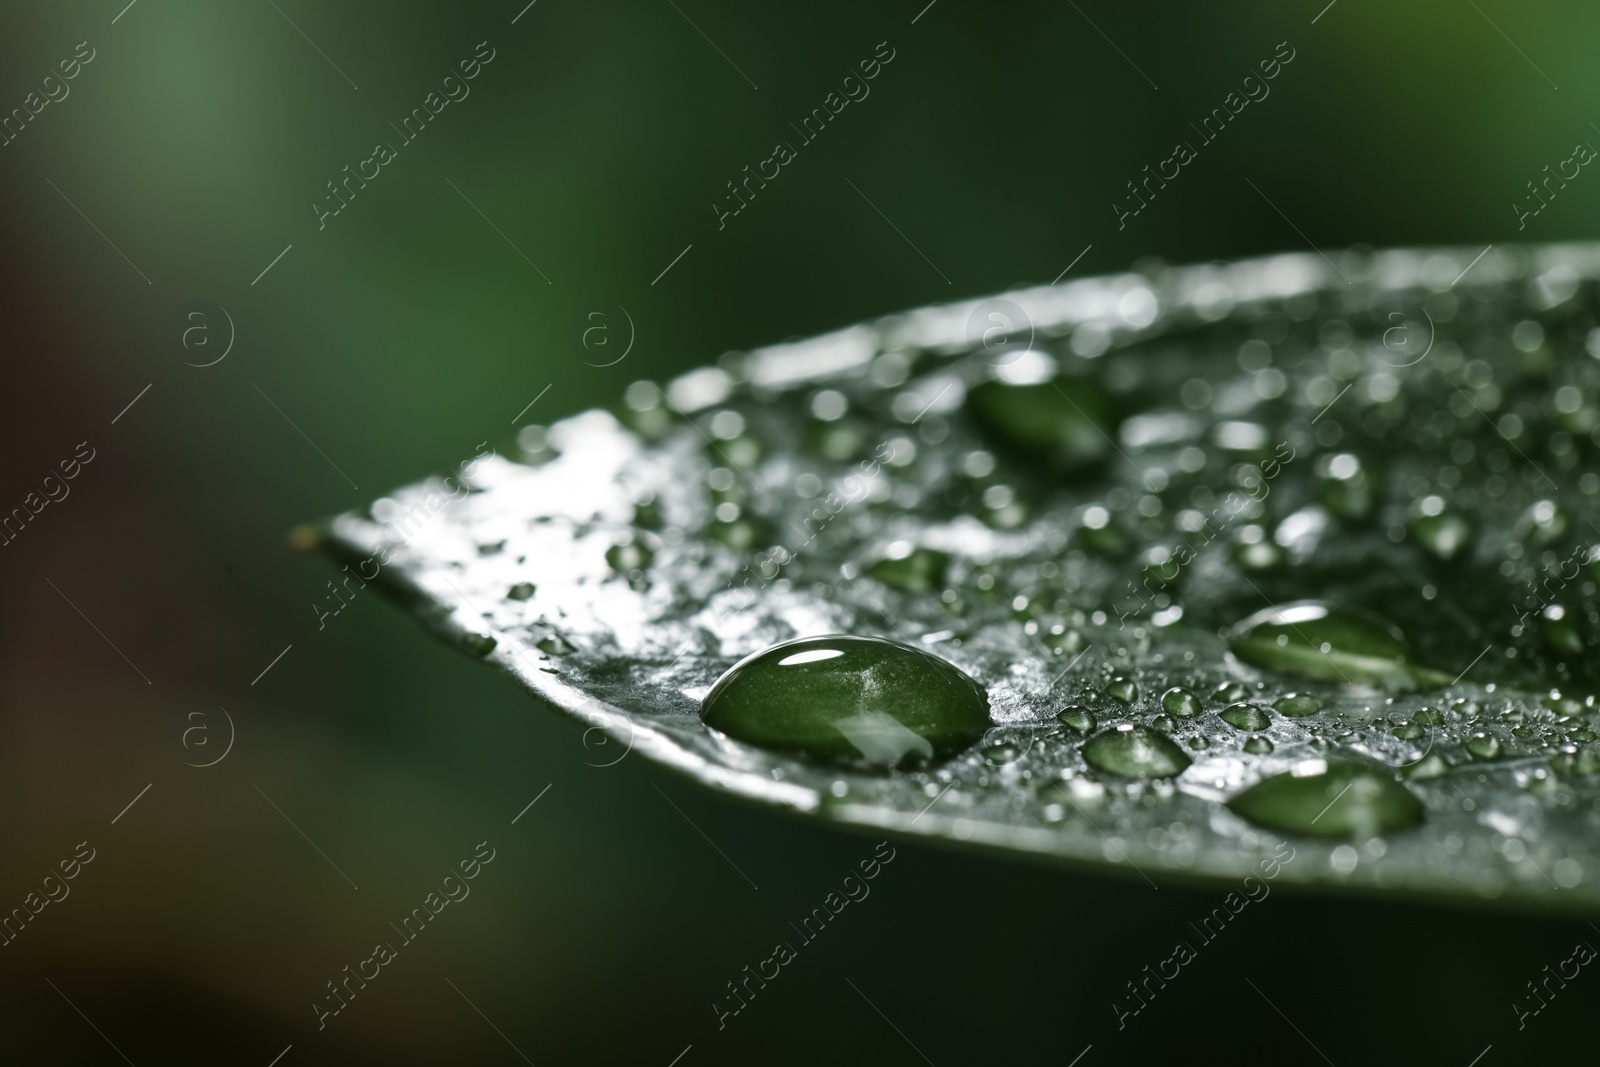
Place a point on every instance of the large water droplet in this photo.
(1135, 752)
(1334, 643)
(849, 699)
(1336, 800)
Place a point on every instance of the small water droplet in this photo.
(520, 591)
(1078, 718)
(858, 700)
(1180, 702)
(1123, 689)
(555, 645)
(1165, 723)
(481, 644)
(1258, 745)
(1135, 752)
(1444, 534)
(1428, 717)
(914, 570)
(1245, 717)
(1003, 752)
(1484, 745)
(631, 556)
(1431, 765)
(1333, 800)
(1297, 705)
(1229, 692)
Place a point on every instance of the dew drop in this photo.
(1319, 640)
(1229, 692)
(859, 700)
(1078, 718)
(520, 591)
(1258, 745)
(1444, 534)
(1135, 752)
(1245, 717)
(1432, 765)
(1002, 753)
(913, 570)
(1123, 689)
(1068, 421)
(1333, 800)
(1297, 705)
(1180, 702)
(555, 645)
(1484, 745)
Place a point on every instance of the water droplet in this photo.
(1135, 752)
(1003, 752)
(1180, 702)
(1484, 745)
(1297, 705)
(1431, 765)
(1334, 643)
(520, 591)
(1123, 689)
(1246, 717)
(1583, 761)
(849, 699)
(1348, 490)
(1229, 692)
(632, 556)
(1443, 534)
(1408, 731)
(914, 570)
(1334, 800)
(481, 644)
(1258, 745)
(555, 645)
(1428, 717)
(1165, 723)
(1068, 421)
(1078, 718)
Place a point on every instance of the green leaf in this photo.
(1236, 556)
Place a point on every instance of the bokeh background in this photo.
(455, 289)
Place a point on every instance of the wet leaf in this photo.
(1223, 488)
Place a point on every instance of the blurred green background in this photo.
(187, 156)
